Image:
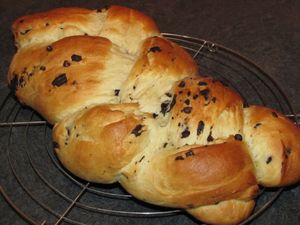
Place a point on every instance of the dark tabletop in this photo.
(267, 32)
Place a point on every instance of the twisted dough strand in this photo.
(129, 107)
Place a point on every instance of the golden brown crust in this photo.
(129, 16)
(192, 176)
(160, 64)
(68, 75)
(50, 26)
(205, 111)
(132, 108)
(94, 144)
(125, 27)
(228, 212)
(274, 146)
(128, 27)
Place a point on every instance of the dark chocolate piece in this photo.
(189, 153)
(42, 68)
(154, 115)
(210, 138)
(200, 127)
(187, 101)
(155, 49)
(117, 91)
(204, 93)
(76, 58)
(141, 159)
(66, 63)
(238, 137)
(187, 109)
(181, 84)
(60, 80)
(185, 133)
(49, 48)
(202, 83)
(269, 159)
(137, 131)
(169, 94)
(167, 106)
(179, 157)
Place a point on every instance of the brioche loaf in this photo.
(129, 106)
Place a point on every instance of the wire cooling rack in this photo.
(41, 191)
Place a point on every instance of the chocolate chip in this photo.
(210, 138)
(76, 58)
(168, 94)
(181, 84)
(189, 153)
(117, 91)
(187, 101)
(257, 125)
(195, 97)
(204, 93)
(155, 49)
(214, 99)
(202, 83)
(60, 80)
(46, 24)
(274, 114)
(165, 144)
(188, 93)
(66, 63)
(43, 68)
(179, 157)
(154, 115)
(167, 106)
(49, 48)
(137, 131)
(141, 159)
(238, 137)
(200, 127)
(185, 133)
(164, 107)
(187, 110)
(269, 159)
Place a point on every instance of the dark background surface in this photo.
(266, 32)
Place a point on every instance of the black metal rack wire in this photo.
(54, 196)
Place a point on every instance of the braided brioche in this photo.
(129, 106)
